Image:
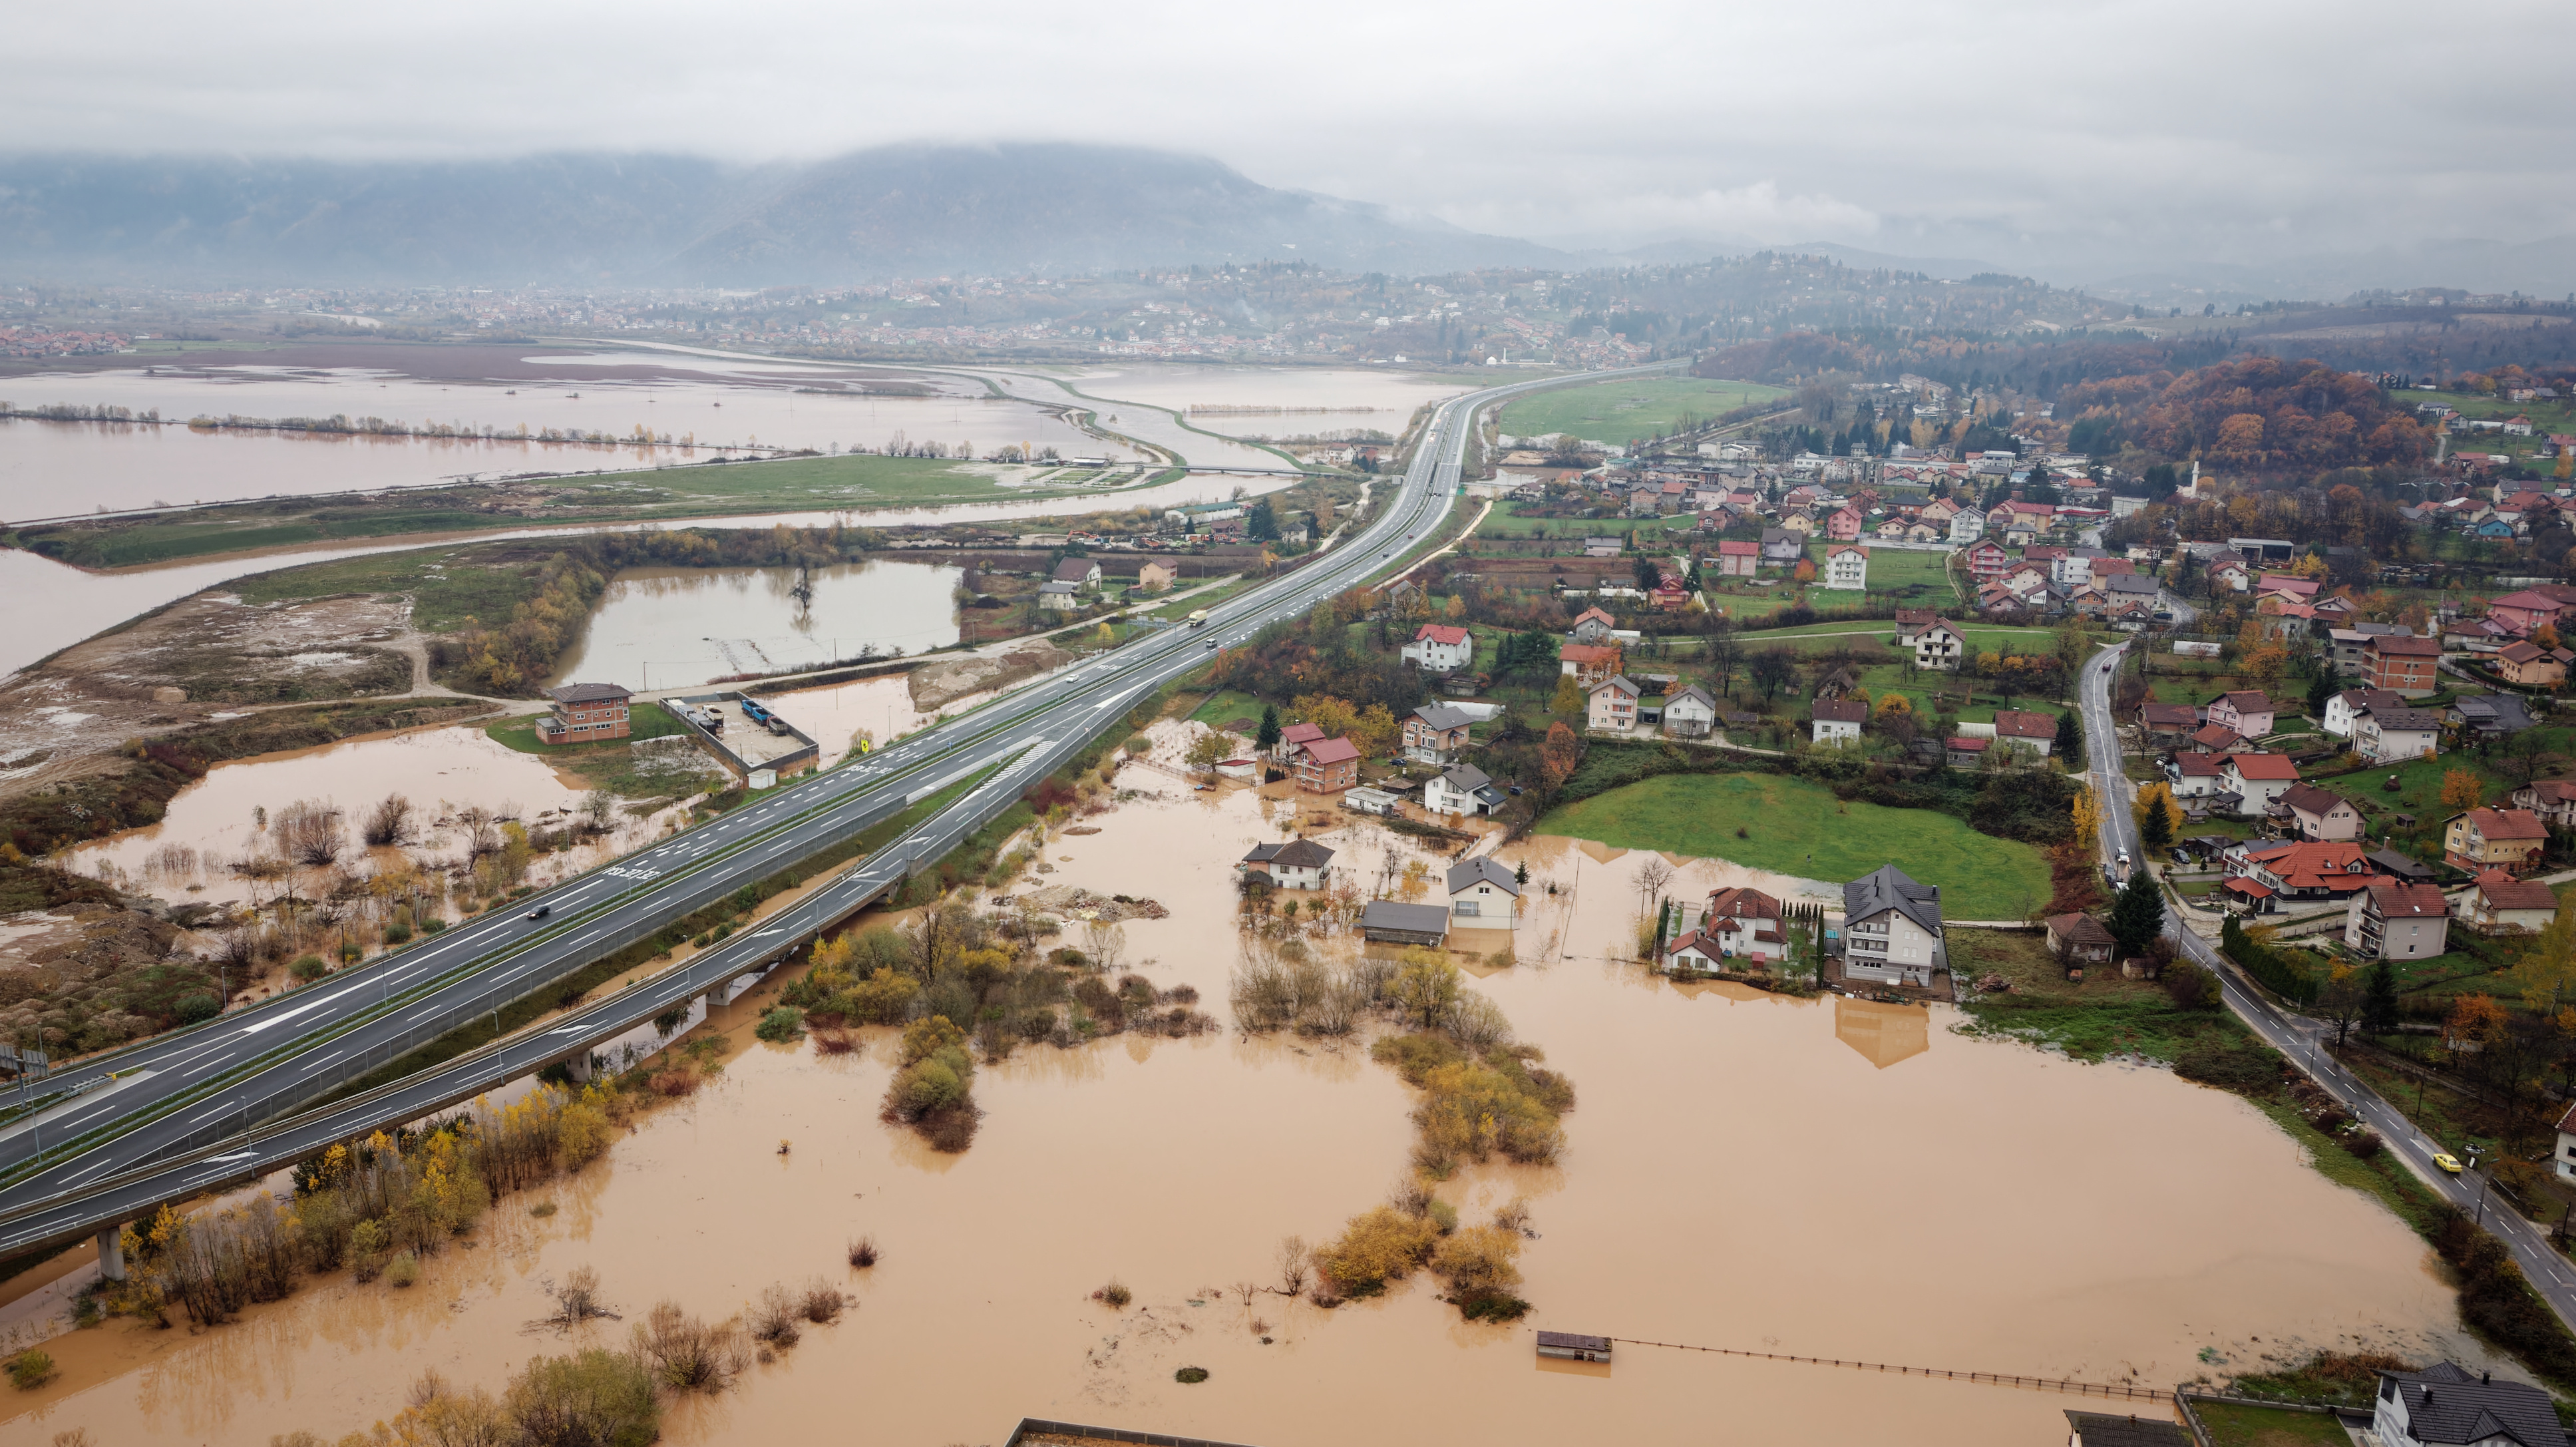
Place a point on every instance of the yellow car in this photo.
(2449, 1163)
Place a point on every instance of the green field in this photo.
(801, 484)
(1629, 409)
(2231, 1424)
(1795, 827)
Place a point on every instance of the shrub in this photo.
(863, 1251)
(821, 1302)
(596, 1396)
(397, 933)
(2230, 1063)
(30, 1369)
(774, 1318)
(781, 1025)
(1378, 1246)
(2362, 1143)
(1115, 1294)
(403, 1270)
(433, 926)
(1478, 1262)
(684, 1353)
(309, 967)
(1190, 1376)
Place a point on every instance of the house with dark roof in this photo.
(1690, 712)
(1482, 893)
(2165, 722)
(1297, 864)
(2554, 800)
(2101, 1429)
(1082, 573)
(1744, 924)
(1391, 922)
(585, 713)
(2216, 739)
(2404, 665)
(2489, 715)
(1434, 733)
(2446, 1405)
(2345, 706)
(2079, 939)
(2034, 731)
(1836, 719)
(2319, 814)
(1892, 928)
(2528, 665)
(2387, 735)
(2390, 920)
(1462, 789)
(2247, 710)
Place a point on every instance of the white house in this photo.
(1837, 719)
(1440, 648)
(1940, 646)
(1482, 894)
(2501, 904)
(1690, 713)
(1846, 566)
(2386, 735)
(1462, 789)
(1967, 527)
(2258, 779)
(1892, 928)
(1059, 597)
(2343, 707)
(1297, 864)
(1744, 924)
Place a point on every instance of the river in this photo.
(1819, 1177)
(690, 625)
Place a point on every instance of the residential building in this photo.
(1294, 740)
(2079, 939)
(1846, 566)
(1482, 893)
(2320, 814)
(2386, 735)
(1440, 648)
(2034, 731)
(2554, 800)
(1892, 928)
(1592, 626)
(1590, 664)
(1836, 719)
(1988, 561)
(1940, 646)
(2167, 722)
(1967, 527)
(2566, 1152)
(2389, 920)
(2506, 839)
(1911, 621)
(1328, 766)
(1297, 864)
(1738, 558)
(1154, 577)
(1462, 789)
(1612, 704)
(2248, 711)
(1434, 733)
(1966, 753)
(2341, 708)
(2196, 775)
(2446, 1405)
(2489, 715)
(2266, 876)
(1690, 713)
(2528, 665)
(1059, 597)
(1783, 545)
(2217, 739)
(2498, 904)
(1083, 573)
(1387, 922)
(2105, 1429)
(2523, 612)
(1744, 924)
(2404, 665)
(583, 713)
(2260, 779)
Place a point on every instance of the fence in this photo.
(1999, 1379)
(1039, 1426)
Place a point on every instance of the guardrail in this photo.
(1998, 1379)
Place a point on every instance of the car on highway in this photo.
(541, 911)
(2449, 1163)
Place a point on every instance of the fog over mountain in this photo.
(671, 220)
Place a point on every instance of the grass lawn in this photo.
(2231, 1424)
(1224, 707)
(1629, 409)
(667, 494)
(1506, 522)
(447, 585)
(1799, 828)
(609, 764)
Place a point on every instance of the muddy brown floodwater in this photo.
(1815, 1177)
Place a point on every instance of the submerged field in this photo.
(1794, 827)
(1629, 409)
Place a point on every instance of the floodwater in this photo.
(53, 469)
(1312, 401)
(212, 823)
(666, 627)
(1747, 1171)
(52, 606)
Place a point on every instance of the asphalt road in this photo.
(2300, 1038)
(185, 1110)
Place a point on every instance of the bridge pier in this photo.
(111, 1252)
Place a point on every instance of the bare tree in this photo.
(1106, 943)
(388, 823)
(1293, 1265)
(482, 831)
(1652, 876)
(598, 805)
(309, 832)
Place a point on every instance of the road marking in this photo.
(283, 1016)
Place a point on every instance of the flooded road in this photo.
(1744, 1170)
(665, 627)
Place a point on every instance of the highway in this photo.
(195, 1109)
(2301, 1039)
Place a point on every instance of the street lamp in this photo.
(2481, 1218)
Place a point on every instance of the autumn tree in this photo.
(1559, 754)
(1569, 698)
(2462, 789)
(2088, 816)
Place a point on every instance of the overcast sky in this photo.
(2021, 132)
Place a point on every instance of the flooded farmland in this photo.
(667, 627)
(1808, 1176)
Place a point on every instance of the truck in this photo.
(1199, 619)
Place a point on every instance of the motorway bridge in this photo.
(232, 1099)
